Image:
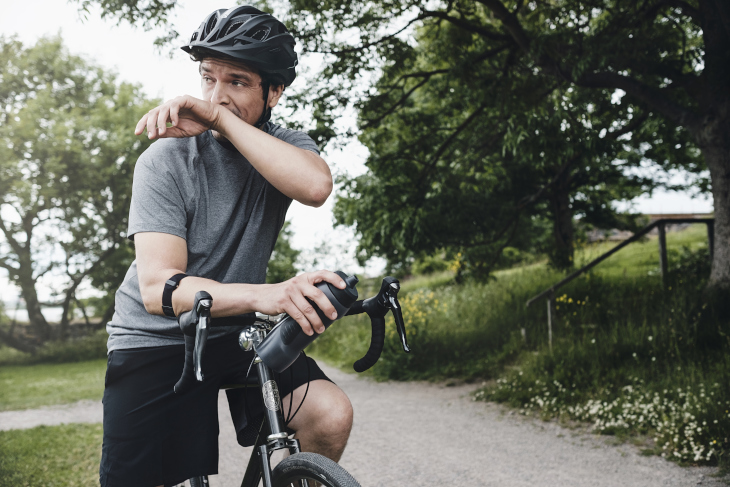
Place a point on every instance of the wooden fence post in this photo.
(550, 313)
(711, 238)
(663, 251)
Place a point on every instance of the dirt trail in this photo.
(420, 434)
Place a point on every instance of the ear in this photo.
(275, 92)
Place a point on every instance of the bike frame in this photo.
(259, 464)
(194, 325)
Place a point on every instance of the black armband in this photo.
(170, 285)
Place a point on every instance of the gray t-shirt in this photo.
(229, 215)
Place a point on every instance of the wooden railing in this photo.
(660, 225)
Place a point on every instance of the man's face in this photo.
(236, 87)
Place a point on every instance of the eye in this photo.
(239, 83)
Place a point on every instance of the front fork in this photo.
(277, 438)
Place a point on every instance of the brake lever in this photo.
(202, 309)
(392, 303)
(201, 338)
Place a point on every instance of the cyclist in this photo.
(209, 199)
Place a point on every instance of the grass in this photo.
(31, 386)
(629, 355)
(641, 258)
(51, 456)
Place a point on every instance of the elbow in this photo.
(318, 193)
(150, 299)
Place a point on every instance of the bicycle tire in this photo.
(199, 482)
(311, 466)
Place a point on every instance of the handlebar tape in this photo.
(187, 379)
(187, 322)
(376, 346)
(355, 309)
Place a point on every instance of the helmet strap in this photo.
(266, 114)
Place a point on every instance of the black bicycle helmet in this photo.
(251, 36)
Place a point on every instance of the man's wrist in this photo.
(226, 122)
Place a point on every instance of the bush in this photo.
(89, 347)
(631, 356)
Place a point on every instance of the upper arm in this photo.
(158, 204)
(159, 257)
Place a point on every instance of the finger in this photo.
(322, 302)
(139, 128)
(295, 312)
(330, 277)
(152, 122)
(162, 118)
(174, 114)
(306, 307)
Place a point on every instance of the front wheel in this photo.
(312, 467)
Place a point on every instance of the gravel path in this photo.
(413, 434)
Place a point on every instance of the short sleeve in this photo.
(294, 137)
(157, 201)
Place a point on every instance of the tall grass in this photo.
(629, 354)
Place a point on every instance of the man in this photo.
(208, 202)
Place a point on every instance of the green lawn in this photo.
(31, 386)
(640, 258)
(51, 456)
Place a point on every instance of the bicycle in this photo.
(299, 469)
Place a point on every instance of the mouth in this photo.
(235, 111)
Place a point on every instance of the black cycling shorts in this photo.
(153, 436)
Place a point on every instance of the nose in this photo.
(219, 96)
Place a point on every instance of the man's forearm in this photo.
(228, 299)
(278, 161)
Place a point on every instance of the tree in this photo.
(67, 151)
(669, 59)
(282, 264)
(471, 163)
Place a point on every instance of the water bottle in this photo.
(282, 346)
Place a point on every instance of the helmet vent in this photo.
(210, 25)
(232, 27)
(261, 34)
(195, 36)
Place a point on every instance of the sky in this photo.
(130, 52)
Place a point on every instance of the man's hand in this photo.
(291, 297)
(188, 115)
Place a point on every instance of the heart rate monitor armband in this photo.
(170, 285)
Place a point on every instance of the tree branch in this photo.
(50, 267)
(686, 9)
(402, 99)
(510, 22)
(629, 127)
(439, 152)
(653, 98)
(16, 343)
(14, 244)
(368, 45)
(528, 200)
(477, 29)
(6, 265)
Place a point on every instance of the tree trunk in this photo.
(712, 134)
(17, 343)
(717, 158)
(562, 255)
(38, 323)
